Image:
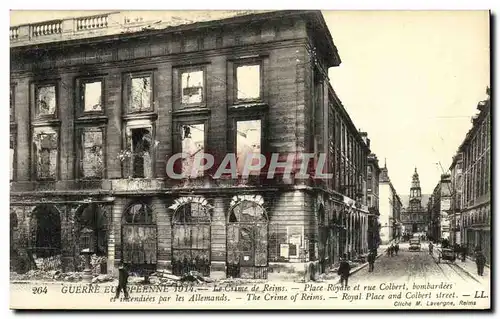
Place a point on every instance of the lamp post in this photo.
(87, 251)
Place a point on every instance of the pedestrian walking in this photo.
(371, 260)
(431, 247)
(122, 282)
(391, 250)
(463, 252)
(344, 270)
(456, 249)
(480, 262)
(396, 248)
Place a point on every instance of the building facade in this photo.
(372, 197)
(456, 169)
(414, 218)
(475, 220)
(97, 112)
(439, 209)
(390, 207)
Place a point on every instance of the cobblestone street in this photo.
(414, 266)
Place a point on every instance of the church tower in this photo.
(415, 219)
(415, 191)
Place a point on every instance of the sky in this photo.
(411, 79)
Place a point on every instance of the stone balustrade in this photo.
(94, 22)
(14, 33)
(105, 24)
(46, 28)
(66, 29)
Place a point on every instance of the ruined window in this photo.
(141, 141)
(12, 156)
(46, 155)
(92, 96)
(248, 144)
(141, 94)
(193, 144)
(192, 87)
(92, 163)
(46, 100)
(248, 82)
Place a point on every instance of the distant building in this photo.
(415, 217)
(456, 171)
(438, 209)
(372, 197)
(389, 207)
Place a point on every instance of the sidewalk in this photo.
(468, 266)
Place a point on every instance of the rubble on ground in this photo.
(240, 282)
(48, 263)
(102, 278)
(57, 275)
(165, 278)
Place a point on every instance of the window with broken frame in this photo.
(46, 100)
(46, 151)
(140, 143)
(192, 90)
(248, 82)
(140, 92)
(91, 95)
(92, 153)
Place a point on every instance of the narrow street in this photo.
(412, 266)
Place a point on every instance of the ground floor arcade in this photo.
(242, 234)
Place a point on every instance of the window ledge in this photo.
(249, 105)
(192, 111)
(46, 122)
(92, 119)
(141, 116)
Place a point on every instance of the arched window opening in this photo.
(46, 231)
(138, 213)
(191, 239)
(247, 241)
(44, 249)
(139, 238)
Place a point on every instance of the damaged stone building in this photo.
(99, 104)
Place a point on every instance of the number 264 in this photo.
(39, 290)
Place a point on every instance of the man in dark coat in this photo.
(463, 252)
(371, 260)
(396, 248)
(344, 270)
(431, 246)
(480, 262)
(122, 282)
